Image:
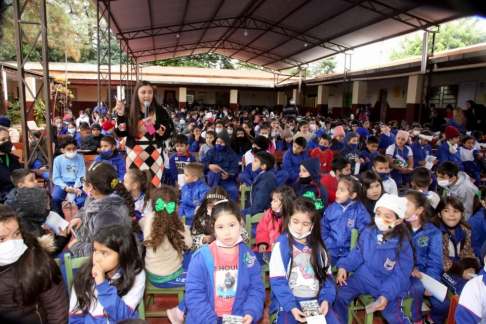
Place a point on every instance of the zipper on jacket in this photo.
(37, 312)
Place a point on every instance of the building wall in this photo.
(456, 77)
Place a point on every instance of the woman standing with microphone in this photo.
(146, 125)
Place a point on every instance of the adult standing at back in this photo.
(291, 110)
(145, 133)
(476, 116)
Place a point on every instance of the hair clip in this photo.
(221, 201)
(114, 183)
(479, 193)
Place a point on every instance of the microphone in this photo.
(147, 105)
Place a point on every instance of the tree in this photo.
(203, 60)
(455, 34)
(316, 69)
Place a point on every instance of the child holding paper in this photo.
(427, 240)
(400, 158)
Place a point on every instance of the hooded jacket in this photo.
(261, 191)
(51, 306)
(465, 190)
(6, 184)
(250, 294)
(291, 164)
(226, 160)
(95, 214)
(368, 158)
(117, 161)
(267, 231)
(338, 222)
(313, 167)
(378, 266)
(192, 196)
(91, 143)
(478, 231)
(386, 140)
(325, 158)
(349, 153)
(444, 155)
(428, 250)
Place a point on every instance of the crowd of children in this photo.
(417, 214)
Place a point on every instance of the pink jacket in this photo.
(267, 230)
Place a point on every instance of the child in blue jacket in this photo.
(382, 263)
(310, 181)
(222, 164)
(303, 273)
(369, 153)
(193, 192)
(427, 240)
(292, 158)
(470, 158)
(449, 150)
(179, 160)
(478, 223)
(346, 213)
(263, 185)
(109, 154)
(350, 150)
(229, 268)
(386, 138)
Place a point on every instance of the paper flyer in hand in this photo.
(232, 319)
(438, 290)
(371, 307)
(311, 310)
(54, 220)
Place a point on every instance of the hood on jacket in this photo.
(313, 166)
(47, 243)
(347, 138)
(224, 136)
(112, 201)
(31, 203)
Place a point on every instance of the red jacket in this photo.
(330, 182)
(267, 229)
(325, 158)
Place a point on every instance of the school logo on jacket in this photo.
(389, 264)
(423, 241)
(249, 260)
(350, 223)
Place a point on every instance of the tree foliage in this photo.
(316, 69)
(459, 33)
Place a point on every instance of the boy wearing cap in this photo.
(400, 158)
(450, 150)
(14, 134)
(382, 265)
(91, 142)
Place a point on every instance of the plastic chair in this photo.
(354, 241)
(452, 310)
(151, 291)
(244, 190)
(72, 264)
(251, 241)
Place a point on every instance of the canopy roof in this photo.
(278, 34)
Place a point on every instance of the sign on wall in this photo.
(467, 91)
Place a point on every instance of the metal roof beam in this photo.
(212, 18)
(183, 19)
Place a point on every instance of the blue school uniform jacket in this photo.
(419, 153)
(349, 153)
(178, 162)
(117, 161)
(378, 265)
(291, 163)
(282, 145)
(282, 295)
(472, 304)
(428, 250)
(192, 195)
(368, 157)
(313, 166)
(78, 139)
(338, 222)
(478, 231)
(444, 155)
(193, 145)
(250, 294)
(260, 194)
(226, 160)
(386, 141)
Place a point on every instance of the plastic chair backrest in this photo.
(71, 265)
(354, 239)
(244, 190)
(452, 310)
(249, 221)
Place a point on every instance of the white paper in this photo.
(71, 197)
(180, 180)
(311, 310)
(356, 168)
(438, 290)
(430, 158)
(371, 308)
(429, 165)
(232, 319)
(54, 221)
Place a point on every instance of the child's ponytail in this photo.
(120, 188)
(479, 200)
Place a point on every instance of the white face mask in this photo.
(11, 251)
(230, 132)
(292, 102)
(416, 133)
(381, 225)
(218, 130)
(313, 127)
(443, 183)
(70, 155)
(264, 135)
(221, 244)
(301, 236)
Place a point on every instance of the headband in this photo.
(221, 201)
(216, 196)
(425, 137)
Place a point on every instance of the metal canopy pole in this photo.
(104, 57)
(36, 21)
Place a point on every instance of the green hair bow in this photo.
(317, 202)
(161, 205)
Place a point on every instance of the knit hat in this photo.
(261, 142)
(451, 132)
(362, 132)
(95, 125)
(393, 202)
(66, 117)
(224, 136)
(107, 125)
(404, 134)
(338, 131)
(5, 121)
(25, 198)
(286, 133)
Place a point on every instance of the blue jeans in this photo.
(59, 195)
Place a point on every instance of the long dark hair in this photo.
(134, 113)
(235, 145)
(226, 206)
(319, 249)
(354, 186)
(102, 176)
(456, 203)
(36, 271)
(420, 199)
(120, 239)
(166, 225)
(479, 198)
(144, 179)
(287, 197)
(202, 222)
(366, 179)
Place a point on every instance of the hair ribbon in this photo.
(317, 202)
(161, 205)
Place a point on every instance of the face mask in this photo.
(416, 133)
(82, 116)
(107, 153)
(353, 146)
(230, 118)
(221, 244)
(291, 127)
(322, 147)
(264, 135)
(11, 251)
(274, 134)
(313, 127)
(70, 155)
(382, 175)
(292, 102)
(218, 130)
(413, 218)
(172, 116)
(71, 130)
(59, 126)
(6, 147)
(220, 147)
(301, 236)
(305, 180)
(381, 225)
(255, 150)
(443, 183)
(230, 132)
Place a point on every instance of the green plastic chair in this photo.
(72, 264)
(244, 190)
(354, 241)
(151, 291)
(251, 241)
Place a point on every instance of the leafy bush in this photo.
(14, 112)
